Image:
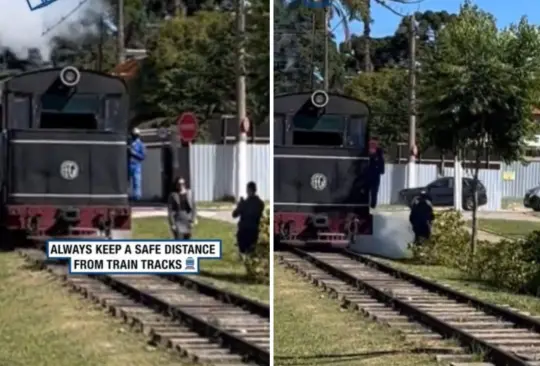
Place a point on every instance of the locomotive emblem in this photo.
(69, 170)
(318, 181)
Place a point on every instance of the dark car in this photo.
(441, 192)
(532, 198)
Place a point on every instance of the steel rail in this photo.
(492, 352)
(253, 306)
(521, 320)
(236, 344)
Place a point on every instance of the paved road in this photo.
(141, 212)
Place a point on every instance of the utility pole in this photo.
(101, 41)
(121, 57)
(241, 151)
(326, 60)
(411, 166)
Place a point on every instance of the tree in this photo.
(299, 50)
(386, 93)
(393, 51)
(479, 86)
(361, 10)
(191, 66)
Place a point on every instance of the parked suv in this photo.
(532, 198)
(441, 192)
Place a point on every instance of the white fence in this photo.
(213, 175)
(212, 171)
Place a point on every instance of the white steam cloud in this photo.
(21, 28)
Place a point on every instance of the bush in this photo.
(258, 262)
(510, 264)
(449, 242)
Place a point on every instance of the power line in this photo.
(64, 18)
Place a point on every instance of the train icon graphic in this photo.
(190, 263)
(38, 4)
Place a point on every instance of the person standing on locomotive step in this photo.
(250, 212)
(375, 170)
(136, 157)
(181, 210)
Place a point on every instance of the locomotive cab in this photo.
(65, 144)
(321, 192)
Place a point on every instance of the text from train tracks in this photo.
(134, 257)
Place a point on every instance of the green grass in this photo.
(42, 324)
(458, 281)
(229, 272)
(510, 228)
(220, 204)
(212, 204)
(311, 329)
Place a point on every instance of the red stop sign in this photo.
(187, 126)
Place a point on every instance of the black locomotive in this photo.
(64, 151)
(321, 192)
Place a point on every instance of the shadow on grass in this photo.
(230, 277)
(325, 359)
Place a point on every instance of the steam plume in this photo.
(22, 29)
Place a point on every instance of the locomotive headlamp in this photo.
(70, 76)
(319, 98)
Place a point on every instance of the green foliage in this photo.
(393, 51)
(479, 82)
(479, 87)
(258, 262)
(512, 265)
(448, 245)
(192, 66)
(386, 93)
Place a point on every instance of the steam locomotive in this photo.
(63, 154)
(321, 191)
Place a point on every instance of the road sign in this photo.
(187, 125)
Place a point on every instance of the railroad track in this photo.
(423, 310)
(203, 323)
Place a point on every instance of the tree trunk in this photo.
(475, 203)
(368, 66)
(180, 8)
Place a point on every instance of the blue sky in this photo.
(506, 12)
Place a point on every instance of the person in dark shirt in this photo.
(375, 170)
(250, 211)
(421, 217)
(181, 211)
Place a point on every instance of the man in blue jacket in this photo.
(136, 157)
(375, 170)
